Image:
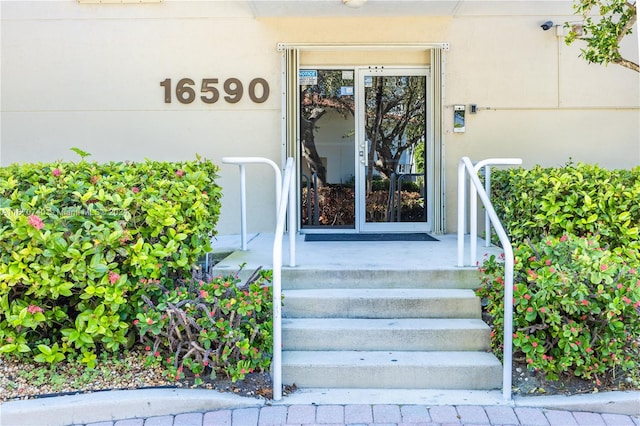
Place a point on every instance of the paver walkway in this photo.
(383, 414)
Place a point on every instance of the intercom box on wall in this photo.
(458, 118)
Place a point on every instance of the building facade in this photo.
(376, 104)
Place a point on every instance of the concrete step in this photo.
(381, 303)
(372, 277)
(408, 334)
(392, 369)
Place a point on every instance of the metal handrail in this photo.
(465, 165)
(284, 208)
(285, 200)
(240, 162)
(473, 205)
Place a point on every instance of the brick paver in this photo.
(384, 413)
(444, 414)
(273, 416)
(560, 418)
(130, 422)
(189, 419)
(591, 419)
(531, 416)
(358, 413)
(472, 414)
(245, 416)
(330, 414)
(301, 414)
(617, 420)
(415, 414)
(159, 421)
(499, 415)
(217, 418)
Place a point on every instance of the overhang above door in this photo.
(318, 8)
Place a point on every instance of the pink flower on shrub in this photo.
(527, 296)
(603, 267)
(32, 309)
(564, 238)
(55, 172)
(135, 189)
(113, 277)
(149, 321)
(135, 322)
(543, 309)
(203, 294)
(585, 302)
(179, 173)
(36, 222)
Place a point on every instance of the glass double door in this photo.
(364, 149)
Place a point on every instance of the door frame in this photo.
(290, 62)
(393, 70)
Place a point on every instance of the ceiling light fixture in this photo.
(354, 3)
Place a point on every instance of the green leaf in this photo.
(81, 153)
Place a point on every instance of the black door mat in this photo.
(415, 236)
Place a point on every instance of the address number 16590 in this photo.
(185, 90)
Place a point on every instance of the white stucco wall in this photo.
(88, 76)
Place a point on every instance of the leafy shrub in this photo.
(76, 238)
(575, 307)
(578, 199)
(577, 252)
(216, 326)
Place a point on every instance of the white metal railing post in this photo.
(467, 168)
(285, 191)
(461, 212)
(241, 162)
(276, 361)
(487, 220)
(243, 207)
(473, 209)
(473, 225)
(292, 220)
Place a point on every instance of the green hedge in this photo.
(576, 288)
(77, 238)
(578, 199)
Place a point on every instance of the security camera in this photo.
(546, 25)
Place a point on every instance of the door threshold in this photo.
(410, 236)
